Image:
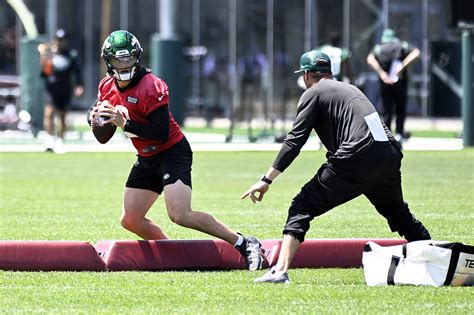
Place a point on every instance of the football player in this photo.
(132, 98)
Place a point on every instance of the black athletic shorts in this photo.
(164, 168)
(60, 101)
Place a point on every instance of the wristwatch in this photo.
(266, 179)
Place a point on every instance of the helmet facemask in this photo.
(123, 68)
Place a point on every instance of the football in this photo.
(103, 133)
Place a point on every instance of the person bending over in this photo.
(131, 97)
(363, 158)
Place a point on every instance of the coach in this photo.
(363, 158)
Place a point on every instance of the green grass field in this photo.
(243, 131)
(78, 197)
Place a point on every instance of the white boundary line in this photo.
(413, 144)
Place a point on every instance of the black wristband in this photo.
(266, 180)
(126, 125)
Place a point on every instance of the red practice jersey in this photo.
(136, 102)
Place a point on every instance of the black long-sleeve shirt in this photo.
(156, 129)
(342, 116)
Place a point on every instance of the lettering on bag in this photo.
(469, 263)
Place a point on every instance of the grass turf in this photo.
(243, 131)
(78, 197)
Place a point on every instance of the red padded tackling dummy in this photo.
(334, 253)
(49, 256)
(174, 255)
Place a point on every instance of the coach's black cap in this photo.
(315, 61)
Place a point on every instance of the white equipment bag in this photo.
(429, 263)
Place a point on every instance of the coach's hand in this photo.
(260, 187)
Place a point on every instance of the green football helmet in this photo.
(121, 52)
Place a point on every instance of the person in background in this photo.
(363, 158)
(390, 59)
(341, 67)
(340, 58)
(62, 74)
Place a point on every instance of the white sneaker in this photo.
(59, 146)
(49, 142)
(274, 276)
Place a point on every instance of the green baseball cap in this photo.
(315, 61)
(388, 36)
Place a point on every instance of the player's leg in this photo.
(48, 123)
(176, 170)
(390, 204)
(61, 104)
(400, 98)
(59, 144)
(326, 190)
(142, 189)
(62, 121)
(49, 118)
(386, 93)
(387, 197)
(178, 204)
(136, 204)
(279, 273)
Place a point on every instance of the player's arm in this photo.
(156, 129)
(415, 53)
(102, 133)
(91, 111)
(383, 75)
(372, 61)
(298, 135)
(76, 69)
(261, 186)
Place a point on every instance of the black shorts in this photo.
(60, 101)
(164, 168)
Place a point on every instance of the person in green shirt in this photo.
(340, 60)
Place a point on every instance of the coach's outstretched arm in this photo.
(290, 149)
